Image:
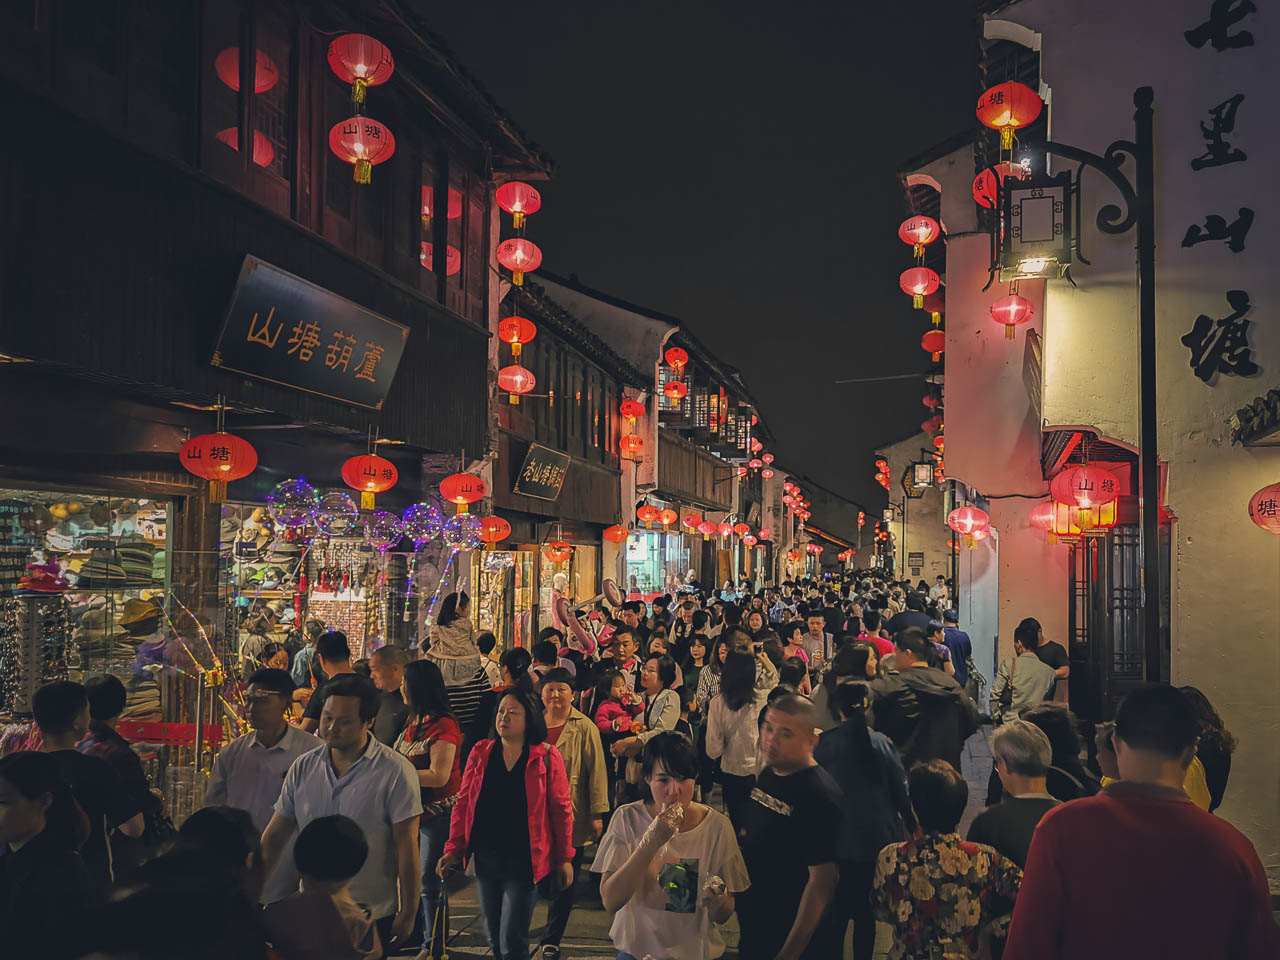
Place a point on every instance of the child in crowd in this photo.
(322, 922)
(684, 725)
(617, 706)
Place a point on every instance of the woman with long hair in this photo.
(514, 818)
(865, 764)
(732, 733)
(482, 702)
(1215, 747)
(44, 885)
(709, 677)
(432, 742)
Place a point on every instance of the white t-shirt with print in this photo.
(666, 918)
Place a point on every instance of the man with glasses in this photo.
(250, 769)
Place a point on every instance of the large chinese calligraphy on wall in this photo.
(286, 330)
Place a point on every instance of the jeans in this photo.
(853, 902)
(432, 835)
(558, 910)
(507, 896)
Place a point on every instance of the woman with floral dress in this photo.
(936, 890)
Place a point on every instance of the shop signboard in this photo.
(542, 473)
(288, 331)
(916, 562)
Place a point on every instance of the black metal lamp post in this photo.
(1039, 244)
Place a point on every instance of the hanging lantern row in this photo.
(882, 473)
(1062, 521)
(1008, 107)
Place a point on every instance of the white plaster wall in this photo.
(980, 586)
(1226, 604)
(926, 529)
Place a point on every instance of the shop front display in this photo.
(504, 596)
(657, 562)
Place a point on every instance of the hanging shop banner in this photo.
(542, 473)
(288, 331)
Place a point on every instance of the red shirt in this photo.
(553, 734)
(883, 647)
(1141, 871)
(415, 744)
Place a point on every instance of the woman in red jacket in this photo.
(514, 815)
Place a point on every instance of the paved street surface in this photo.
(588, 935)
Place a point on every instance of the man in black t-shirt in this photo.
(787, 834)
(1053, 654)
(386, 670)
(335, 661)
(62, 713)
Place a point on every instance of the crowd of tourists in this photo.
(792, 756)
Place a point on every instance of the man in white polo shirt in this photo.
(250, 769)
(355, 775)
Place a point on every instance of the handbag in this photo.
(1005, 701)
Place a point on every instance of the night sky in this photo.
(734, 165)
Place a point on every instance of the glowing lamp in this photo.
(986, 185)
(767, 457)
(647, 515)
(749, 540)
(1085, 486)
(917, 282)
(742, 471)
(632, 444)
(934, 342)
(520, 256)
(361, 61)
(494, 529)
(692, 520)
(519, 200)
(1007, 107)
(265, 72)
(1264, 508)
(675, 391)
(668, 517)
(969, 521)
(517, 331)
(361, 142)
(516, 380)
(218, 458)
(1011, 311)
(632, 410)
(767, 473)
(707, 529)
(725, 529)
(918, 232)
(370, 475)
(462, 489)
(558, 552)
(616, 534)
(756, 445)
(741, 529)
(931, 400)
(676, 358)
(756, 464)
(765, 533)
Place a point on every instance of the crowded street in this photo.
(673, 481)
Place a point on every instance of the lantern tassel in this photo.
(426, 221)
(936, 318)
(516, 348)
(462, 508)
(517, 277)
(217, 491)
(936, 357)
(514, 399)
(366, 499)
(917, 301)
(918, 251)
(1052, 538)
(517, 220)
(1006, 138)
(363, 171)
(358, 88)
(1009, 331)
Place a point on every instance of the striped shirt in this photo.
(464, 698)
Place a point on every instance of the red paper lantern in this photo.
(675, 390)
(369, 474)
(726, 529)
(265, 72)
(632, 410)
(756, 464)
(1042, 518)
(632, 444)
(263, 151)
(765, 533)
(742, 471)
(516, 380)
(1264, 508)
(361, 61)
(934, 342)
(1011, 311)
(707, 529)
(917, 282)
(516, 331)
(918, 232)
(862, 519)
(741, 529)
(463, 489)
(668, 517)
(519, 200)
(647, 515)
(692, 520)
(936, 304)
(616, 534)
(1007, 107)
(1085, 486)
(986, 185)
(559, 552)
(452, 259)
(939, 442)
(965, 520)
(676, 358)
(749, 540)
(932, 424)
(767, 473)
(494, 529)
(362, 142)
(520, 257)
(756, 445)
(767, 457)
(931, 400)
(218, 458)
(454, 211)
